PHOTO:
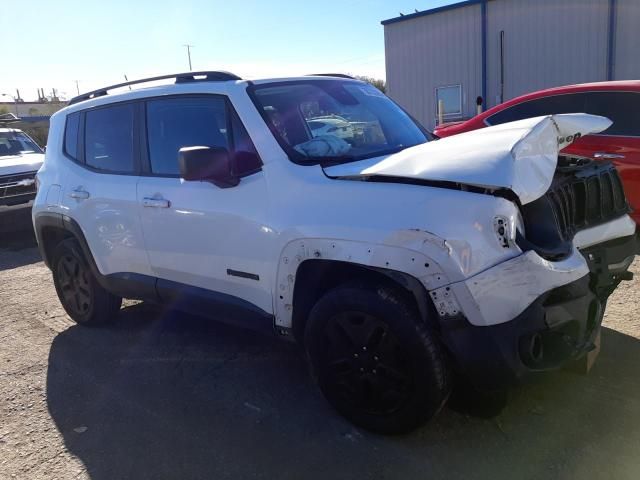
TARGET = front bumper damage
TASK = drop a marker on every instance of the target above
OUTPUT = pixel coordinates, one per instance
(558, 326)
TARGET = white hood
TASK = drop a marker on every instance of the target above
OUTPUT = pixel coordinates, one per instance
(520, 156)
(14, 164)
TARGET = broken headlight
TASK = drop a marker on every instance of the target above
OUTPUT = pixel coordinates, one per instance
(506, 228)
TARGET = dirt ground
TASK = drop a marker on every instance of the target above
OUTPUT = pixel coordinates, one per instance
(160, 394)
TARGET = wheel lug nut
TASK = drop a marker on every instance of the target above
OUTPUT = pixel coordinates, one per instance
(376, 358)
(374, 371)
(355, 355)
(361, 369)
(364, 349)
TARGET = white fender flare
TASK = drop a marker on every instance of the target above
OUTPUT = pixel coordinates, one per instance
(417, 253)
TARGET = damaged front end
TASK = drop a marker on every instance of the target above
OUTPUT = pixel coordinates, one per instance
(578, 243)
(568, 242)
(559, 325)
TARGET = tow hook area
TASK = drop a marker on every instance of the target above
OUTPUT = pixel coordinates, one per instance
(564, 338)
(608, 263)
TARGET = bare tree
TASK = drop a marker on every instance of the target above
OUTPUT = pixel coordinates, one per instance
(376, 82)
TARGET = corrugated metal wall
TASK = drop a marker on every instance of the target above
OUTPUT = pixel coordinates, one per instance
(627, 40)
(547, 43)
(431, 51)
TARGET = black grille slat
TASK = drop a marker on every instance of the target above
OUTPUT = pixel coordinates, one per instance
(593, 199)
(580, 199)
(619, 200)
(606, 198)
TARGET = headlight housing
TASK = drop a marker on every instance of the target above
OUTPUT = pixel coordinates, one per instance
(506, 228)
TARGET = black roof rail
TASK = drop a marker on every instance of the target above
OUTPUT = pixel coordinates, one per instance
(213, 76)
(339, 75)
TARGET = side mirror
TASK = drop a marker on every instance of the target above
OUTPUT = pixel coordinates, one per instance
(212, 164)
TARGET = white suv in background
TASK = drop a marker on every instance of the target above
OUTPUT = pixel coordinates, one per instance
(20, 159)
(399, 262)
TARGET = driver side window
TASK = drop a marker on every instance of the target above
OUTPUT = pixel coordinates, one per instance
(173, 123)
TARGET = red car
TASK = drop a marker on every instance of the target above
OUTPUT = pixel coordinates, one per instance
(618, 101)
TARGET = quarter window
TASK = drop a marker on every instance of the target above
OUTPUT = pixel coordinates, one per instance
(71, 135)
(109, 138)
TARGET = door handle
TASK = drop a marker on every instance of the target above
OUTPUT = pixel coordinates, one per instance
(608, 155)
(155, 202)
(79, 194)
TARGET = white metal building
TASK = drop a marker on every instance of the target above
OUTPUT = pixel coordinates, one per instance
(499, 49)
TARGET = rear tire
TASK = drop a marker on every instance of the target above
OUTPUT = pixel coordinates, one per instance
(80, 294)
(375, 360)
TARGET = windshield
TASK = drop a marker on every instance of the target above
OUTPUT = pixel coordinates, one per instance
(337, 121)
(17, 143)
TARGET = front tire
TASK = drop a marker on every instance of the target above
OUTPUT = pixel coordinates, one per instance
(80, 294)
(375, 360)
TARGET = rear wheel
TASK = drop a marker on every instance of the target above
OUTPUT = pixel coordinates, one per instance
(375, 360)
(82, 297)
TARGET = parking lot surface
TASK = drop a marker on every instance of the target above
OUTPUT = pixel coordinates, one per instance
(160, 394)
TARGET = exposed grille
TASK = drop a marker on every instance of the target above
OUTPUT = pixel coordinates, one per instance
(586, 195)
(16, 185)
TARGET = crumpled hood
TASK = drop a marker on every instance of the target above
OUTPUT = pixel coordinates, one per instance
(29, 162)
(520, 156)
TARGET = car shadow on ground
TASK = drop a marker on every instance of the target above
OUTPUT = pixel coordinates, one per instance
(17, 239)
(160, 394)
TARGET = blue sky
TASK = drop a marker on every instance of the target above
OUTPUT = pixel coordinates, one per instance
(56, 42)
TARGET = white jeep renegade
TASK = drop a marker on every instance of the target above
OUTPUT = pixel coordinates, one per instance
(399, 261)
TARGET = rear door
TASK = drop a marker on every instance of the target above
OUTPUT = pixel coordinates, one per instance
(620, 143)
(205, 243)
(100, 185)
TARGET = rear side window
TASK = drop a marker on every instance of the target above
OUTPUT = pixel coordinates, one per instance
(174, 123)
(571, 103)
(622, 108)
(109, 138)
(71, 135)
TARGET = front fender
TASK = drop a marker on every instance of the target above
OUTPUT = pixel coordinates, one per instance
(419, 254)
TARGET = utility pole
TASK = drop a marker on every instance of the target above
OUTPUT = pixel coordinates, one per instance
(189, 54)
(77, 87)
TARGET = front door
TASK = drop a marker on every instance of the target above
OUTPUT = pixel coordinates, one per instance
(204, 242)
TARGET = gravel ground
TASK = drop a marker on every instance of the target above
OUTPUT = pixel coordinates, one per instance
(160, 394)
